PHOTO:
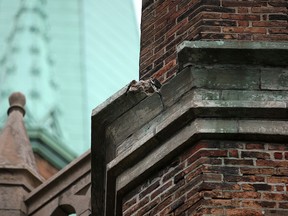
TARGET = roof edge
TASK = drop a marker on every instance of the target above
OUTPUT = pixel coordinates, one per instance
(61, 150)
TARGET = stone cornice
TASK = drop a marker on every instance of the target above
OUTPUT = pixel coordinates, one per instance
(68, 177)
(134, 134)
(232, 52)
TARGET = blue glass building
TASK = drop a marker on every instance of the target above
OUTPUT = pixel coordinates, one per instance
(67, 57)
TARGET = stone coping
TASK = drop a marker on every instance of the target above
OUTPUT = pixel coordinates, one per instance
(257, 110)
(232, 52)
(59, 182)
(232, 45)
(275, 131)
(122, 101)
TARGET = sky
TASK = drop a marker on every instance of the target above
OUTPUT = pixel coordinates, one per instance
(118, 45)
(137, 8)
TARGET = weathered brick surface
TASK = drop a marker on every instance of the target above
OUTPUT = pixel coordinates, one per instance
(167, 23)
(216, 178)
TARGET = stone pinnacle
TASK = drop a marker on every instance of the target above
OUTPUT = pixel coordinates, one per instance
(17, 101)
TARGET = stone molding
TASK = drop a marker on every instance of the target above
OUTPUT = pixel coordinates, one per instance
(134, 134)
(69, 187)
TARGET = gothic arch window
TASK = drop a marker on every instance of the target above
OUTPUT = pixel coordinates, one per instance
(64, 210)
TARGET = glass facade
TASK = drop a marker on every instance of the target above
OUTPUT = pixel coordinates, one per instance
(67, 57)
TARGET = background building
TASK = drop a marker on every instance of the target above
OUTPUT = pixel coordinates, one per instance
(62, 55)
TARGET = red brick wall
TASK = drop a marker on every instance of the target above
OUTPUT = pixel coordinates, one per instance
(166, 23)
(217, 178)
(45, 169)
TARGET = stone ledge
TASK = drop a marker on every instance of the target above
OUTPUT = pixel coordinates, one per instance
(232, 45)
(215, 129)
(65, 178)
(150, 136)
(189, 98)
(190, 106)
(120, 102)
(19, 176)
(203, 129)
(232, 52)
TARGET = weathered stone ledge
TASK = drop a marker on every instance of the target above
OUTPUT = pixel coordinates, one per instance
(222, 91)
(203, 129)
(232, 52)
(49, 193)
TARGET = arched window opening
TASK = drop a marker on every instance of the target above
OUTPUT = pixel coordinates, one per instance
(64, 210)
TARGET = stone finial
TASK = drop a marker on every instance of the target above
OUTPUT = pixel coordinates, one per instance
(19, 173)
(16, 150)
(17, 101)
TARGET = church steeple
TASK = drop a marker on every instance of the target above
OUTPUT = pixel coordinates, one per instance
(16, 151)
(27, 66)
(18, 172)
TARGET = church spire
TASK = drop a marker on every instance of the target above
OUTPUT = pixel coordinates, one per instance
(18, 172)
(16, 151)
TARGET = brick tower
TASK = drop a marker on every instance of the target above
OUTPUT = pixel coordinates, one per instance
(213, 139)
(165, 24)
